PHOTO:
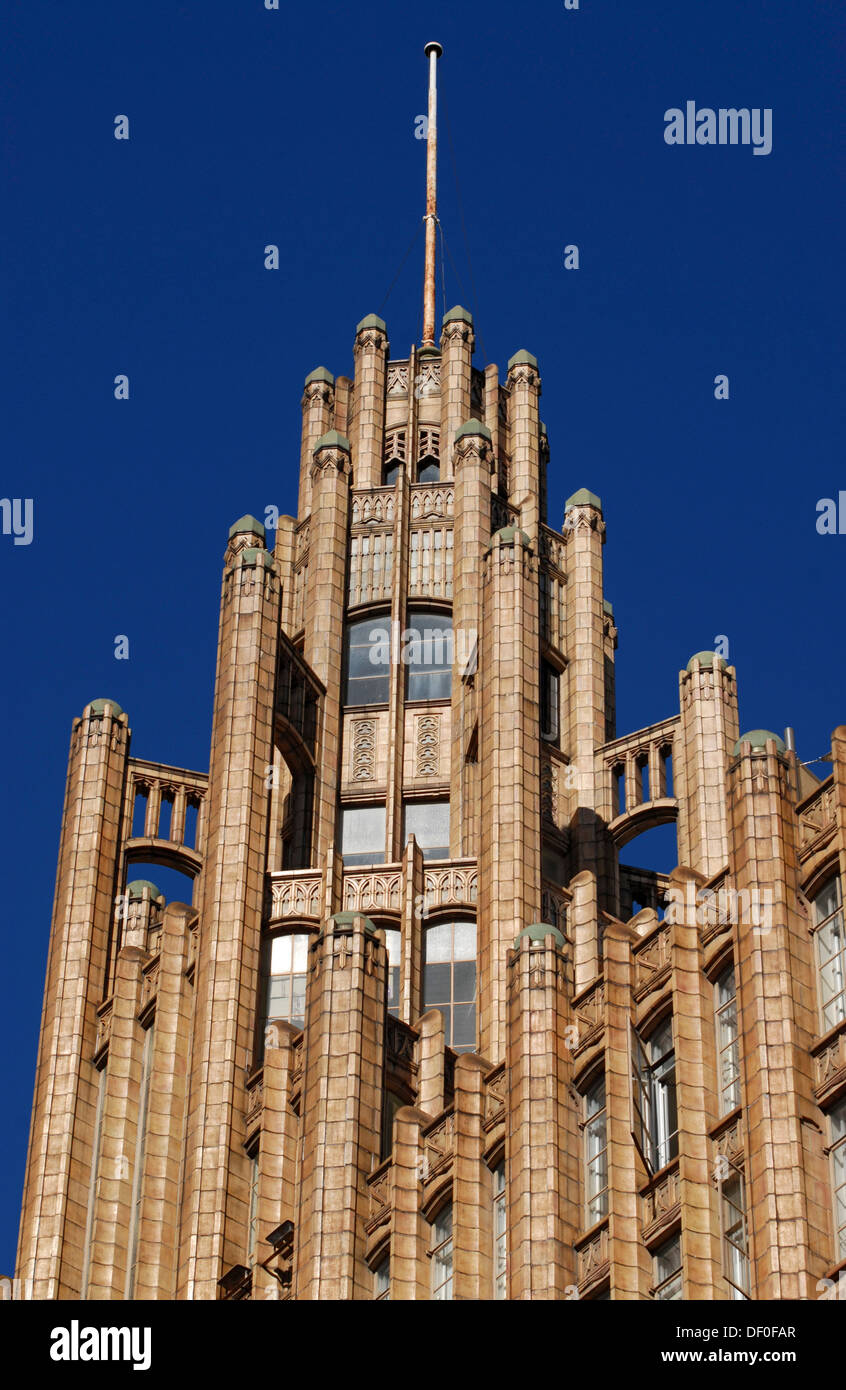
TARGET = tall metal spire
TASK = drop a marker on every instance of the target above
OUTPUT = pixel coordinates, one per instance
(433, 52)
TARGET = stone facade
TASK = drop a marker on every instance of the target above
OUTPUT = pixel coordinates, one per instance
(425, 1032)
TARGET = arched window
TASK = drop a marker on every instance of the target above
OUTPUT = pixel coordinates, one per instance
(449, 980)
(286, 984)
(427, 655)
(429, 456)
(368, 659)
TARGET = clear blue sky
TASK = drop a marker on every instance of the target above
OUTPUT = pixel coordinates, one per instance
(296, 127)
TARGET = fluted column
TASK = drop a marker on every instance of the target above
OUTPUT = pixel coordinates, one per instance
(367, 423)
(51, 1251)
(232, 895)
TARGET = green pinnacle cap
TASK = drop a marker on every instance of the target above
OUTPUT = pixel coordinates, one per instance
(251, 555)
(136, 889)
(542, 428)
(332, 440)
(320, 374)
(246, 526)
(507, 535)
(473, 426)
(345, 919)
(537, 931)
(706, 659)
(759, 738)
(583, 498)
(99, 707)
(520, 357)
(371, 321)
(457, 314)
(608, 608)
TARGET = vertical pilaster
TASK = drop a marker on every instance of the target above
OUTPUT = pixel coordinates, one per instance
(277, 1183)
(457, 344)
(709, 729)
(410, 1277)
(367, 425)
(324, 617)
(342, 1106)
(776, 1018)
(509, 860)
(471, 525)
(541, 1143)
(318, 405)
(122, 1114)
(217, 1169)
(156, 1273)
(631, 1274)
(51, 1251)
(472, 1185)
(524, 384)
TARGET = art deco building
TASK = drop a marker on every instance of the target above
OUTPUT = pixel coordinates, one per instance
(426, 1032)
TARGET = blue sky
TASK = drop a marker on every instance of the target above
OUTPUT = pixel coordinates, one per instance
(296, 127)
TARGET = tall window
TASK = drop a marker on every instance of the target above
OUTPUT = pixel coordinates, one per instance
(368, 657)
(449, 980)
(735, 1236)
(654, 1092)
(596, 1153)
(728, 1059)
(500, 1270)
(382, 1281)
(837, 1120)
(252, 1219)
(550, 686)
(427, 655)
(831, 953)
(362, 835)
(393, 946)
(428, 822)
(286, 986)
(441, 1250)
(667, 1270)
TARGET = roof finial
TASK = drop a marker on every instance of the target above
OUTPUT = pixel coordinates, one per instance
(433, 52)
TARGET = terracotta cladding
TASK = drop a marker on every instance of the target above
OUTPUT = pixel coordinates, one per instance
(182, 1112)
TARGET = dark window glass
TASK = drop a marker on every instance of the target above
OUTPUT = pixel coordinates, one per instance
(449, 980)
(427, 656)
(368, 661)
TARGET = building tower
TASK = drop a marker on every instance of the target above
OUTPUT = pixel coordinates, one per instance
(425, 1032)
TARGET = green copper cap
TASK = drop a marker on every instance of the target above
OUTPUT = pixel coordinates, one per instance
(507, 535)
(135, 889)
(537, 931)
(542, 428)
(99, 707)
(457, 314)
(371, 321)
(320, 374)
(759, 738)
(251, 555)
(520, 357)
(608, 608)
(246, 525)
(332, 440)
(346, 919)
(473, 426)
(583, 498)
(705, 659)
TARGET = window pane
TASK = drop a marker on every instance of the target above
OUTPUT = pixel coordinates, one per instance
(363, 835)
(465, 941)
(439, 943)
(464, 980)
(280, 954)
(827, 900)
(428, 822)
(463, 1025)
(436, 985)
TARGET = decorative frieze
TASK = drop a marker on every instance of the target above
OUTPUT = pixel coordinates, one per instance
(427, 743)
